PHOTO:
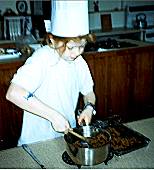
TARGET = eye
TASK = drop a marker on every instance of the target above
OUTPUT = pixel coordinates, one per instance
(69, 46)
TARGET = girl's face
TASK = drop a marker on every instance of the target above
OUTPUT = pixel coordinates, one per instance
(73, 50)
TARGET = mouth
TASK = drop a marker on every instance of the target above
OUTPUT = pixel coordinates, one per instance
(73, 57)
(69, 59)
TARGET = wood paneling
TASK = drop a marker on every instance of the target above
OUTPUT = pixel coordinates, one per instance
(10, 115)
(124, 82)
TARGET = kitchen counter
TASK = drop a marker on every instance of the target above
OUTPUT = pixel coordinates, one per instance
(50, 152)
(111, 44)
(6, 42)
(115, 31)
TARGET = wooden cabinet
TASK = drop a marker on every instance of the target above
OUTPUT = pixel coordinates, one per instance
(141, 82)
(123, 82)
(7, 45)
(10, 115)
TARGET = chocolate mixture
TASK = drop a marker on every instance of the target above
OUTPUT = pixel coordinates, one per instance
(94, 142)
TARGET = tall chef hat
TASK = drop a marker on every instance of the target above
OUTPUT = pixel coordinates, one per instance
(69, 18)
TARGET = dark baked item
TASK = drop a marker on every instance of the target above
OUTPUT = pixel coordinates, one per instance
(120, 140)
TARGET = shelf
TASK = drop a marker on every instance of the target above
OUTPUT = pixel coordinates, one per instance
(107, 11)
(115, 31)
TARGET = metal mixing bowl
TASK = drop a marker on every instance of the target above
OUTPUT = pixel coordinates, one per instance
(87, 154)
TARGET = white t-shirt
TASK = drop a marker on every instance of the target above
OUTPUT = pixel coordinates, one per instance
(55, 82)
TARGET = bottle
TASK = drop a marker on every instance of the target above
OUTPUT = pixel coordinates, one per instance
(96, 6)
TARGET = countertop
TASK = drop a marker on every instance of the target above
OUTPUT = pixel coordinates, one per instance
(115, 31)
(50, 153)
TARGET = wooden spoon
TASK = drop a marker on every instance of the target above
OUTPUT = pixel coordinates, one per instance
(78, 135)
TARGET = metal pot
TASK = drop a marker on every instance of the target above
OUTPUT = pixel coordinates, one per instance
(87, 154)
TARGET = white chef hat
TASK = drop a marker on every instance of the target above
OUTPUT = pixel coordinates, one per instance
(69, 18)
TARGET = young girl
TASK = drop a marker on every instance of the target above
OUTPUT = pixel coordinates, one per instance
(47, 87)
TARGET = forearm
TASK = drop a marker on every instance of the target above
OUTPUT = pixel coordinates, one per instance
(88, 110)
(18, 96)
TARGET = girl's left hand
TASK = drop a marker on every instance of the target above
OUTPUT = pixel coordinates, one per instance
(85, 116)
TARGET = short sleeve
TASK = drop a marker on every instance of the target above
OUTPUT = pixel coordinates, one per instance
(30, 75)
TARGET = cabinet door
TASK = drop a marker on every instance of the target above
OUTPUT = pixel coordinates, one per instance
(118, 83)
(111, 78)
(142, 81)
(143, 77)
(10, 115)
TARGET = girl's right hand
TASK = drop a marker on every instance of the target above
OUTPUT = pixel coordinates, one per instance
(60, 124)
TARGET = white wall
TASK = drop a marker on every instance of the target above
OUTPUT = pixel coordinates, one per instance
(105, 5)
(118, 14)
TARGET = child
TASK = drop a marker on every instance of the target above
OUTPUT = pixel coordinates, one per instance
(47, 86)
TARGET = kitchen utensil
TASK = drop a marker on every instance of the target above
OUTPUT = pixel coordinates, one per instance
(141, 21)
(82, 154)
(79, 136)
(29, 151)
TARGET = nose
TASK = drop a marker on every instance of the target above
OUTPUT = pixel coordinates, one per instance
(79, 50)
